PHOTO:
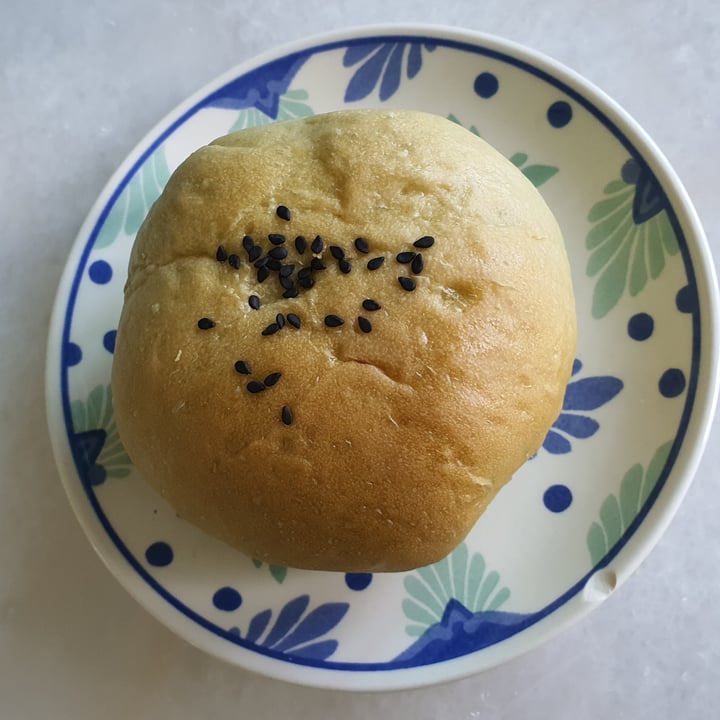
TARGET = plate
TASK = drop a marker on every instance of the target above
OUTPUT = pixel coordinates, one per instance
(577, 518)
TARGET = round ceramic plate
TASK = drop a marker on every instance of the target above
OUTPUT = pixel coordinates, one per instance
(576, 519)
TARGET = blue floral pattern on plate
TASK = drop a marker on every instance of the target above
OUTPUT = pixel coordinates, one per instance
(296, 632)
(382, 63)
(581, 395)
(460, 632)
(260, 89)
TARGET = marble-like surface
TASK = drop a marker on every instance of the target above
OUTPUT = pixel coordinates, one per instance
(81, 81)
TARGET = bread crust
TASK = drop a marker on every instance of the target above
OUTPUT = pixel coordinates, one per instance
(400, 437)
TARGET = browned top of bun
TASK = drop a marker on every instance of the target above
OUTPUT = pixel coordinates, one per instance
(400, 437)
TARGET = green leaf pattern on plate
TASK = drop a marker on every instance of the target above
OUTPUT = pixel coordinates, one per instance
(291, 105)
(279, 572)
(537, 174)
(618, 511)
(96, 413)
(135, 201)
(472, 128)
(460, 576)
(624, 254)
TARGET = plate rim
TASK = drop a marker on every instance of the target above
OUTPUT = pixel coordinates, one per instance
(638, 545)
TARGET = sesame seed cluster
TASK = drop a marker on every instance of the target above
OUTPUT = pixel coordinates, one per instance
(297, 271)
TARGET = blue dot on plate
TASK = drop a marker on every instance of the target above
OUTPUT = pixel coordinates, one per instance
(672, 383)
(559, 114)
(557, 498)
(486, 85)
(640, 326)
(109, 340)
(630, 172)
(100, 272)
(73, 354)
(686, 299)
(227, 599)
(358, 581)
(159, 554)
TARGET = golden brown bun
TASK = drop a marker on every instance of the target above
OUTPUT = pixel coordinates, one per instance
(400, 437)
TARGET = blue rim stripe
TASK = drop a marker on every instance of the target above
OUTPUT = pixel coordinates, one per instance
(614, 551)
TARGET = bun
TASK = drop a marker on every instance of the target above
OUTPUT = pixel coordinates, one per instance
(398, 438)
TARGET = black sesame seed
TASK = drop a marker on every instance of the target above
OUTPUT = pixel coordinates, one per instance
(254, 302)
(271, 379)
(361, 245)
(248, 243)
(291, 293)
(317, 245)
(286, 415)
(263, 274)
(364, 324)
(280, 320)
(271, 329)
(242, 367)
(274, 264)
(294, 320)
(345, 266)
(334, 321)
(278, 253)
(286, 282)
(282, 212)
(276, 238)
(261, 262)
(206, 323)
(405, 257)
(300, 244)
(306, 282)
(417, 264)
(317, 264)
(370, 305)
(305, 272)
(337, 252)
(407, 283)
(254, 253)
(287, 270)
(221, 254)
(234, 261)
(424, 242)
(255, 387)
(375, 263)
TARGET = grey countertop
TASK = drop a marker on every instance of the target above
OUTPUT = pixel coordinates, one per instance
(81, 82)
